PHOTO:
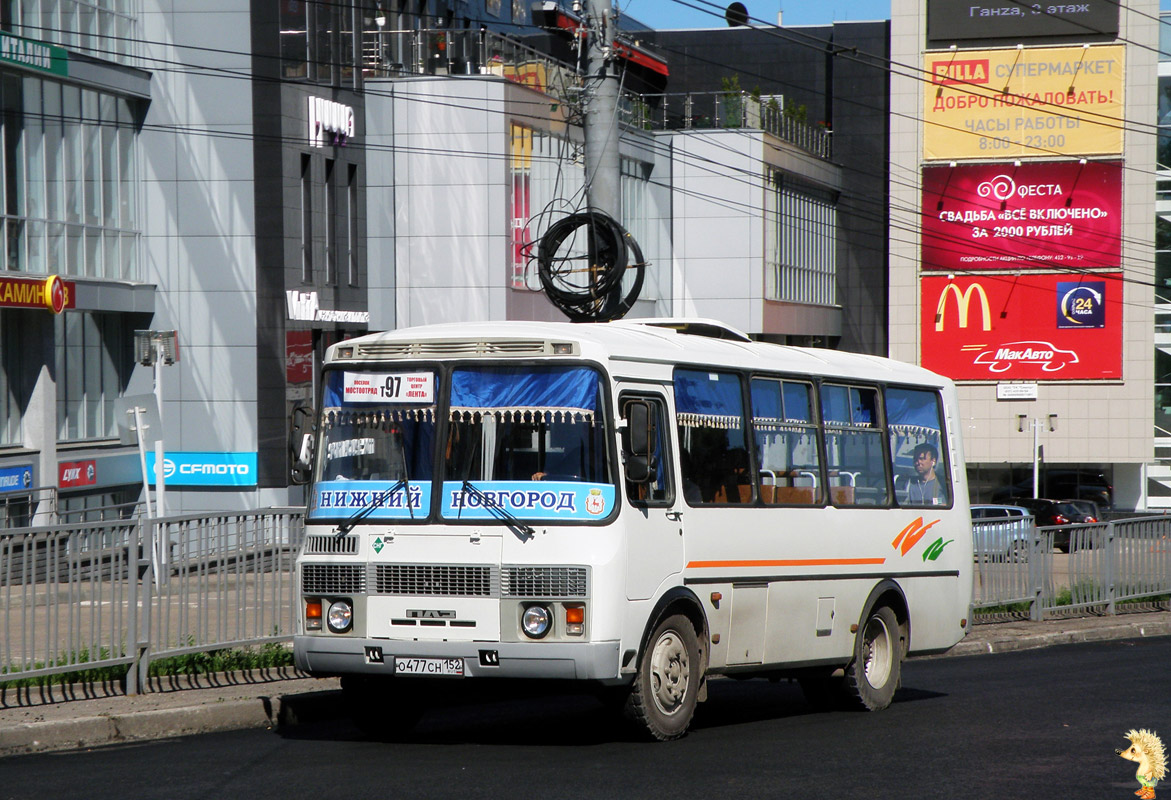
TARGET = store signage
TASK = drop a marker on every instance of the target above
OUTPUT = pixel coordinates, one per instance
(1044, 102)
(1038, 215)
(49, 293)
(298, 356)
(34, 55)
(329, 122)
(15, 479)
(76, 474)
(959, 20)
(205, 469)
(1027, 327)
(305, 306)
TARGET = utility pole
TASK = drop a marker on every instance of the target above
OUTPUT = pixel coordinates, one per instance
(601, 111)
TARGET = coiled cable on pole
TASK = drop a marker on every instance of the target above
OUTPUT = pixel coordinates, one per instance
(587, 287)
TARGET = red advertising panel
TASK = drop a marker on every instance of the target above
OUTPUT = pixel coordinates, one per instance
(298, 356)
(1038, 215)
(1036, 327)
(74, 474)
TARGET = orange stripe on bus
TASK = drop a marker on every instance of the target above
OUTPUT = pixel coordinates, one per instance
(790, 562)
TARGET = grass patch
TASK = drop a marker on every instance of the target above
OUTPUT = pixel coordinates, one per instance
(266, 656)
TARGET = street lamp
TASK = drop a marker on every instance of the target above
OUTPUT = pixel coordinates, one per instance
(1036, 424)
(156, 349)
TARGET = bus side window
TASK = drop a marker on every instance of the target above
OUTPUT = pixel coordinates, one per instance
(917, 455)
(855, 459)
(786, 442)
(657, 491)
(710, 418)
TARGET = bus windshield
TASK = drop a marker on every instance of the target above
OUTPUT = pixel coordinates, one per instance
(376, 439)
(530, 439)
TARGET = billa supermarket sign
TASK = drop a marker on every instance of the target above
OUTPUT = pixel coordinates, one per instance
(1036, 215)
(1031, 327)
(51, 293)
(1039, 101)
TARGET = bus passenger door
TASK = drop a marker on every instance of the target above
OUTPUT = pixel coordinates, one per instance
(652, 515)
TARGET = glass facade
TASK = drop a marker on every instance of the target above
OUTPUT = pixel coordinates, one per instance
(70, 179)
(94, 362)
(107, 29)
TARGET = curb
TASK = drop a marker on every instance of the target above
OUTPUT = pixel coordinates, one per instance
(1010, 644)
(228, 715)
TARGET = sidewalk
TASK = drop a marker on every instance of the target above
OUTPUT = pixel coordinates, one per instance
(72, 718)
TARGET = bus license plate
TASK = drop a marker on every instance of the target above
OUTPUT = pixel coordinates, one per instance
(429, 666)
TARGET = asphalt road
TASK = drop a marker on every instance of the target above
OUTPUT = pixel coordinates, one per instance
(1040, 723)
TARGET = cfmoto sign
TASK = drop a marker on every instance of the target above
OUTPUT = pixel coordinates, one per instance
(206, 469)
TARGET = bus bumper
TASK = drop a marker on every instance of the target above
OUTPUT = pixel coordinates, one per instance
(326, 655)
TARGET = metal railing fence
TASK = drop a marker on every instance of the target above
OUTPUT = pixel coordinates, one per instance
(1047, 572)
(107, 594)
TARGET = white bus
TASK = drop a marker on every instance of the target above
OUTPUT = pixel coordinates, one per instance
(635, 506)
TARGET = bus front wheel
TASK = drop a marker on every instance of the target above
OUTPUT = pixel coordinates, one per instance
(874, 674)
(664, 693)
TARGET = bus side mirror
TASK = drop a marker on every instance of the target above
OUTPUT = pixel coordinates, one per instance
(301, 443)
(638, 442)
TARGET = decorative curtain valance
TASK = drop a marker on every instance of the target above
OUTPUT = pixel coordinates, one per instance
(708, 400)
(552, 394)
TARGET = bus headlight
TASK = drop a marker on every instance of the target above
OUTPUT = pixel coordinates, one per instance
(340, 617)
(536, 621)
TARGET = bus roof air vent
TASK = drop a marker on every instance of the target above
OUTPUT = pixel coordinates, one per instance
(709, 328)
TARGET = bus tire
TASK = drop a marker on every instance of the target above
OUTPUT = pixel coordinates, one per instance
(874, 674)
(380, 708)
(666, 687)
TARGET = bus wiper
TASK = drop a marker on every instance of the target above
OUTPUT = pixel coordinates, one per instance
(379, 499)
(489, 502)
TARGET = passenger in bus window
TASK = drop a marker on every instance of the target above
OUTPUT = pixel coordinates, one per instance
(925, 490)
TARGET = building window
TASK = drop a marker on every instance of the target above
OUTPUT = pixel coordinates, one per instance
(95, 356)
(14, 388)
(352, 223)
(69, 180)
(331, 222)
(800, 242)
(306, 218)
(101, 28)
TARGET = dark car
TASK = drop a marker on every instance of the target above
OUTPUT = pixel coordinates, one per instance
(1081, 484)
(1088, 509)
(1057, 514)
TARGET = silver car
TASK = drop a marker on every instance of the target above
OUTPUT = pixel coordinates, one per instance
(1001, 532)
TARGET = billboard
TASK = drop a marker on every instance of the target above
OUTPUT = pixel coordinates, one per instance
(959, 20)
(199, 468)
(1040, 215)
(1049, 101)
(1037, 327)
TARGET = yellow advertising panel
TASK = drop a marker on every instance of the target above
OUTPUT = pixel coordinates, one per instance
(1001, 104)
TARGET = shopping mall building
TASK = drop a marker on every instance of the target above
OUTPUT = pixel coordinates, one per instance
(197, 204)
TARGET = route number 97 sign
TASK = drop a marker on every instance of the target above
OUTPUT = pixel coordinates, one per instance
(388, 387)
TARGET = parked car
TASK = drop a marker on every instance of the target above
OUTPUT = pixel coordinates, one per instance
(1057, 514)
(1007, 542)
(1081, 484)
(1087, 508)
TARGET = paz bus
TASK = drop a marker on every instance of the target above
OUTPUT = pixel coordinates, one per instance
(635, 507)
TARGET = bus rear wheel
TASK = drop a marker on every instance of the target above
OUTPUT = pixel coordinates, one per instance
(875, 672)
(666, 688)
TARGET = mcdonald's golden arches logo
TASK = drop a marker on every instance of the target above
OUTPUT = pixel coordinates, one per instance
(963, 303)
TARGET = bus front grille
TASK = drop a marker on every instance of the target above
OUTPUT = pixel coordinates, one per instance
(543, 582)
(331, 579)
(331, 545)
(447, 580)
